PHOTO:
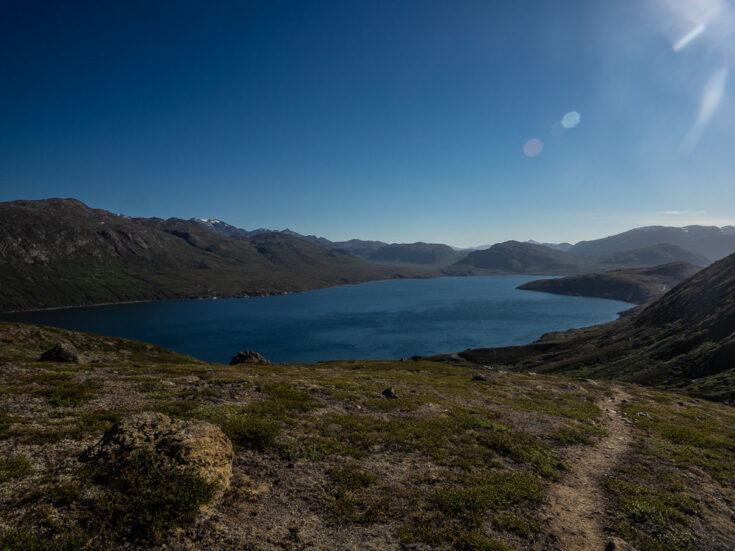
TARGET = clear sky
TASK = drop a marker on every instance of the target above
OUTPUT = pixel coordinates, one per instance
(390, 120)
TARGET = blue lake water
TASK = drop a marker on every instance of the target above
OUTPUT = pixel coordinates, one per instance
(384, 319)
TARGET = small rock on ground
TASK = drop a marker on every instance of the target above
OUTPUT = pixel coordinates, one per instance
(61, 352)
(249, 357)
(389, 393)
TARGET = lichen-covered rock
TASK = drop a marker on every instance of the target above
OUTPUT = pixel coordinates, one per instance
(248, 357)
(198, 447)
(61, 352)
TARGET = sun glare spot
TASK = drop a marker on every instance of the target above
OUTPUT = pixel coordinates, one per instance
(533, 147)
(571, 119)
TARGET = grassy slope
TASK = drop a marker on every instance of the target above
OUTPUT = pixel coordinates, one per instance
(324, 460)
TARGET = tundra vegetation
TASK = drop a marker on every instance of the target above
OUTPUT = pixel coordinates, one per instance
(322, 458)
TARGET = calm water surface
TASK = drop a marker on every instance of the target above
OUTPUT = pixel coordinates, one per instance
(385, 319)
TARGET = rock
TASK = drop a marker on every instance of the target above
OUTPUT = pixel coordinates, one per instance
(248, 357)
(65, 353)
(590, 381)
(389, 393)
(479, 377)
(199, 447)
(643, 414)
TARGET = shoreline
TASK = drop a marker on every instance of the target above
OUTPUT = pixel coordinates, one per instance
(262, 295)
(90, 320)
(276, 293)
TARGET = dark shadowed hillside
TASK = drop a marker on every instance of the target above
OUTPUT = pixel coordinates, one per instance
(684, 340)
(636, 285)
(59, 252)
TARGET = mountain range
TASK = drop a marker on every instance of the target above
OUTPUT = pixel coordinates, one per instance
(713, 242)
(528, 258)
(703, 244)
(60, 252)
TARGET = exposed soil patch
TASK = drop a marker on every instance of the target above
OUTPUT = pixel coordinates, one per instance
(575, 508)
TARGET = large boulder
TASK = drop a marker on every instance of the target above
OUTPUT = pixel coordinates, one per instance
(248, 357)
(61, 352)
(197, 447)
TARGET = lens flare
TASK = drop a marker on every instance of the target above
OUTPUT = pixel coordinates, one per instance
(571, 119)
(533, 147)
(712, 96)
(687, 38)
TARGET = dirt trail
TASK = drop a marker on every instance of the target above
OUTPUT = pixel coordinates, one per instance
(575, 506)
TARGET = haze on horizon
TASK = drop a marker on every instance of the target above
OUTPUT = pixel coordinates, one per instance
(457, 122)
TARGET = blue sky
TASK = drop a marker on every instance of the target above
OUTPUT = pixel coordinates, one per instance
(399, 121)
